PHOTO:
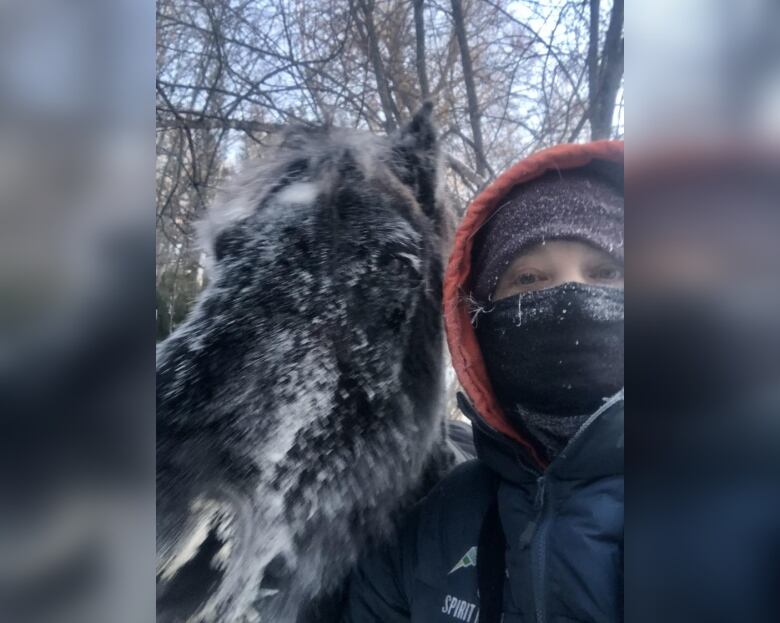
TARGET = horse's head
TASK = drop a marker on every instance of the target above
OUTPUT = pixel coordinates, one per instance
(316, 344)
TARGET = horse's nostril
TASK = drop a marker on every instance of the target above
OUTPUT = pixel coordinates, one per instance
(397, 315)
(276, 573)
(190, 587)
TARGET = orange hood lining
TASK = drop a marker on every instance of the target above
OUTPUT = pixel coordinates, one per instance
(461, 338)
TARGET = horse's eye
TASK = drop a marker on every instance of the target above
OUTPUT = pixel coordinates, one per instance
(402, 264)
(397, 266)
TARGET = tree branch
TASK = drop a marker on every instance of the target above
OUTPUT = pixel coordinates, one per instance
(392, 116)
(184, 121)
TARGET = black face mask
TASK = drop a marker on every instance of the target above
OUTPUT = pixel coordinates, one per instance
(557, 351)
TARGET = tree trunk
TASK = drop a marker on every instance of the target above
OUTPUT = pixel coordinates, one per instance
(375, 56)
(471, 91)
(604, 76)
(419, 30)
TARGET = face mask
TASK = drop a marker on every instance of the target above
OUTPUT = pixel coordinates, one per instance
(557, 351)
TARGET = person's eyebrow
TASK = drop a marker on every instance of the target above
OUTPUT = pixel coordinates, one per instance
(532, 253)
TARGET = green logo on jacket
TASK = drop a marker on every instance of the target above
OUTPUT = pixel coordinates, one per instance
(469, 560)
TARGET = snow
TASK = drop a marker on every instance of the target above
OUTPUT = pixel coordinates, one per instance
(299, 193)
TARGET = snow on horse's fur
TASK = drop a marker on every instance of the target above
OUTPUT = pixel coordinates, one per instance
(298, 404)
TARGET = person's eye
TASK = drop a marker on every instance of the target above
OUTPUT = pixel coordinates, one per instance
(608, 272)
(529, 279)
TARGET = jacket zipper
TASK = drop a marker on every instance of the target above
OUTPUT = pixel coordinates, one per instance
(543, 482)
(540, 548)
(618, 397)
(544, 504)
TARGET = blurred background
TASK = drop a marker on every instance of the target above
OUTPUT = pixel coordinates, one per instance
(91, 193)
(77, 311)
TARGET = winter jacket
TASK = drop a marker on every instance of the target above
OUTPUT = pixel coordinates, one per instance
(562, 523)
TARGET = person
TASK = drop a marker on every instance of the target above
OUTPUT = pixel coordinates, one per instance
(531, 530)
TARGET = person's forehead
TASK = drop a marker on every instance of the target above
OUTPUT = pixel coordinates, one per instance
(561, 246)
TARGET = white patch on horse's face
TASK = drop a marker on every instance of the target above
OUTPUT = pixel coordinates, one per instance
(298, 193)
(186, 551)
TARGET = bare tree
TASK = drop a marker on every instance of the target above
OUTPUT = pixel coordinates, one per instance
(505, 79)
(605, 69)
(471, 89)
(419, 31)
(392, 116)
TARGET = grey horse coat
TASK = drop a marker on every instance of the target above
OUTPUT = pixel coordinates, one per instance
(298, 405)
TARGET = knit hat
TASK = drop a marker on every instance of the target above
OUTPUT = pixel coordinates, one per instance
(583, 204)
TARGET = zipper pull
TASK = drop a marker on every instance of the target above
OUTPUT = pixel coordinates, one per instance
(530, 530)
(539, 499)
(528, 534)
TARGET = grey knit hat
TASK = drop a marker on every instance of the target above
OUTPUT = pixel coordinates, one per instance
(583, 204)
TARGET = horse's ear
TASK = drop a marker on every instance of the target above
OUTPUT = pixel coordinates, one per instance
(419, 133)
(416, 158)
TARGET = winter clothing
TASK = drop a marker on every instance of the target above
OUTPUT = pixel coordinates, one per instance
(561, 523)
(552, 432)
(563, 529)
(461, 337)
(553, 356)
(585, 204)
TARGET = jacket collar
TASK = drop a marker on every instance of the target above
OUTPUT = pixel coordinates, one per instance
(596, 450)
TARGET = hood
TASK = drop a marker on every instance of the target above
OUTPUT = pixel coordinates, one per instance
(461, 338)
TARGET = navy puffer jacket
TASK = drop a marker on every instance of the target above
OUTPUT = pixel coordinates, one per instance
(563, 530)
(559, 526)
